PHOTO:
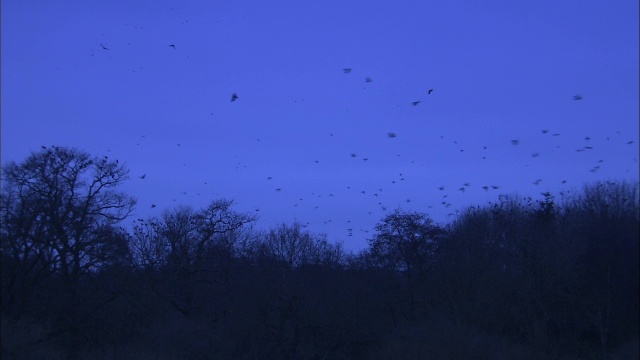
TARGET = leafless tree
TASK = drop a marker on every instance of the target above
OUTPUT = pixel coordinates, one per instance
(59, 208)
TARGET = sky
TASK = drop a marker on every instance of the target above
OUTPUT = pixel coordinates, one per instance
(437, 94)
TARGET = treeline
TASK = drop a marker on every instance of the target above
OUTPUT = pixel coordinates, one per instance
(519, 279)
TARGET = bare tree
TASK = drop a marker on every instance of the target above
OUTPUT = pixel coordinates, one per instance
(405, 242)
(296, 247)
(58, 211)
(186, 247)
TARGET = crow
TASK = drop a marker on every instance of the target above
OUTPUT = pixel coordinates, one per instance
(104, 47)
(429, 92)
(234, 97)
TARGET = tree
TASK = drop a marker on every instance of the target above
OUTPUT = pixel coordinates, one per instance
(186, 247)
(607, 272)
(58, 210)
(407, 243)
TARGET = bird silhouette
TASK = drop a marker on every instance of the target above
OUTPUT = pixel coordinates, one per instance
(577, 97)
(173, 46)
(234, 97)
(368, 79)
(346, 70)
(153, 205)
(143, 176)
(415, 103)
(429, 92)
(515, 142)
(391, 135)
(104, 47)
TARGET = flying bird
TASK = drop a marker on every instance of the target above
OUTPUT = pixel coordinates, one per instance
(368, 79)
(515, 142)
(143, 176)
(429, 92)
(577, 97)
(153, 205)
(391, 135)
(346, 70)
(104, 47)
(173, 46)
(234, 97)
(415, 103)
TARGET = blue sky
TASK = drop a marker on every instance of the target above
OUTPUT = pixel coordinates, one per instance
(499, 70)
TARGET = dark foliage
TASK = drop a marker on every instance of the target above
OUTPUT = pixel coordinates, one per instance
(520, 279)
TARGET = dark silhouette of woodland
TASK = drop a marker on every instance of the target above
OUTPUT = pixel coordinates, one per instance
(522, 278)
